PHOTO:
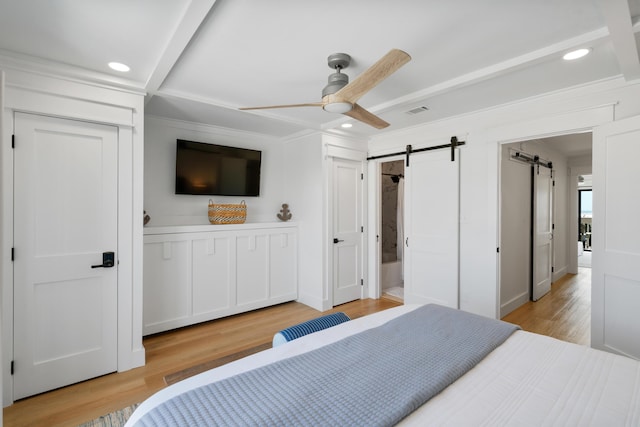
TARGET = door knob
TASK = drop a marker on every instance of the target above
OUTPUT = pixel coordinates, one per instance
(336, 240)
(108, 260)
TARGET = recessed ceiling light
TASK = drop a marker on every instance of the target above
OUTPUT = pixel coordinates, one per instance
(575, 54)
(119, 67)
(346, 125)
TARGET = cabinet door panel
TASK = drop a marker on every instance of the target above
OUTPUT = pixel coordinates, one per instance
(168, 270)
(251, 269)
(212, 276)
(282, 265)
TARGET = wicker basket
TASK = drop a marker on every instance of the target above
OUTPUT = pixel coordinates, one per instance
(227, 213)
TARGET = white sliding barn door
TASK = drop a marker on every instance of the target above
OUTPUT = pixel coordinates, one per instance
(66, 188)
(542, 231)
(615, 281)
(432, 228)
(347, 230)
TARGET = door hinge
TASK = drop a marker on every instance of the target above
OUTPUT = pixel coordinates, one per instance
(553, 226)
(12, 367)
(13, 254)
(553, 183)
(361, 282)
(552, 269)
(361, 177)
(362, 228)
(13, 141)
(498, 250)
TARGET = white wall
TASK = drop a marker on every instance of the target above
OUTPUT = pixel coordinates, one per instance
(308, 165)
(166, 208)
(515, 231)
(558, 113)
(305, 194)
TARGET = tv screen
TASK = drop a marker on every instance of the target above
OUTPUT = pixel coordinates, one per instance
(216, 170)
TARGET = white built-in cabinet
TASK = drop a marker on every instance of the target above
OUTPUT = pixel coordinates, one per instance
(198, 273)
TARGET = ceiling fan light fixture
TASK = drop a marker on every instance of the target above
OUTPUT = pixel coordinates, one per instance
(338, 107)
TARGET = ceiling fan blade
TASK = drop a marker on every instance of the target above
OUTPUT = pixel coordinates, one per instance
(312, 104)
(379, 71)
(359, 113)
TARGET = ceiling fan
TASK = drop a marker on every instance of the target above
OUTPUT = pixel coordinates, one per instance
(340, 96)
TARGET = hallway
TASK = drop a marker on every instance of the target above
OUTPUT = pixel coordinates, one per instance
(564, 313)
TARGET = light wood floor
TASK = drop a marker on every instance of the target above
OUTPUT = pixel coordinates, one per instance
(563, 314)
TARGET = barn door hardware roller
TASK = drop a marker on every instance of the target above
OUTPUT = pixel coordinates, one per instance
(453, 144)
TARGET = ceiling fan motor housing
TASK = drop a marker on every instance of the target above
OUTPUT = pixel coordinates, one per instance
(336, 82)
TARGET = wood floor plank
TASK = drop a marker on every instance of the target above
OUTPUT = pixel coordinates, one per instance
(564, 313)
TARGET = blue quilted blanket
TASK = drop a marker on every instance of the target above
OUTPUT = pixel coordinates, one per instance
(374, 378)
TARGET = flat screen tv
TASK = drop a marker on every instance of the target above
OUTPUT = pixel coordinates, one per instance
(216, 170)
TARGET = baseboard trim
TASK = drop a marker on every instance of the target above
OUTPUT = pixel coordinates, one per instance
(514, 303)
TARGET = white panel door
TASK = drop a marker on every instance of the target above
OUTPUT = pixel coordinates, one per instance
(542, 231)
(432, 228)
(65, 218)
(347, 231)
(615, 280)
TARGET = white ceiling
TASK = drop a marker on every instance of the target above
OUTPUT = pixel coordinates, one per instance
(570, 146)
(200, 60)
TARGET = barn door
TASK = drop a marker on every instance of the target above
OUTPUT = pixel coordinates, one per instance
(65, 264)
(542, 222)
(432, 228)
(615, 280)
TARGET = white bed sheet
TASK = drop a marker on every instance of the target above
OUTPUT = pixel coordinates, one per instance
(530, 380)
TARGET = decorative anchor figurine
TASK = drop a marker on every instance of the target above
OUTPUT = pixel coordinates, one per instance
(284, 214)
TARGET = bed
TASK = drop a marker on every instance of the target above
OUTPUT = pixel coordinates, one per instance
(527, 380)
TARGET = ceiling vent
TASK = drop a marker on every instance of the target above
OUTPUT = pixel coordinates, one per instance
(418, 110)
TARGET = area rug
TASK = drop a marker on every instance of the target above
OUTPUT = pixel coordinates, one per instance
(189, 372)
(114, 419)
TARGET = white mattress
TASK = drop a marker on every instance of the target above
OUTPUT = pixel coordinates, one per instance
(531, 380)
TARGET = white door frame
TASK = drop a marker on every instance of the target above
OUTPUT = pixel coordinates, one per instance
(351, 155)
(346, 296)
(375, 217)
(90, 351)
(73, 100)
(584, 120)
(2, 245)
(572, 223)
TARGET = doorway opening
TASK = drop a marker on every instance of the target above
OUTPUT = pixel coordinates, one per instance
(571, 157)
(585, 202)
(392, 229)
